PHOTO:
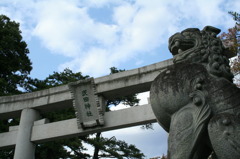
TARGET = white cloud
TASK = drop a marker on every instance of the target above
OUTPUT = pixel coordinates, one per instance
(59, 26)
(124, 14)
(143, 98)
(119, 107)
(137, 27)
(100, 3)
(95, 60)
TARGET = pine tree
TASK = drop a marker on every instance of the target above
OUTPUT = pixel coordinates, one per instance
(15, 65)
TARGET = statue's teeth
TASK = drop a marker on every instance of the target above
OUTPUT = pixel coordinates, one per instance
(177, 43)
(180, 51)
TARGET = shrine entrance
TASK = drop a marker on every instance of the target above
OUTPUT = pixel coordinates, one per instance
(87, 97)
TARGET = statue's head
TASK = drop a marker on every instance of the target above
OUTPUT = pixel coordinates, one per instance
(192, 39)
(201, 46)
(185, 41)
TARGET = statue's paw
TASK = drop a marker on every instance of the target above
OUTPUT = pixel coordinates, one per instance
(224, 133)
(187, 132)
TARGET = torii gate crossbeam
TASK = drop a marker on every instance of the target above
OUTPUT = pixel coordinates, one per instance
(42, 131)
(53, 99)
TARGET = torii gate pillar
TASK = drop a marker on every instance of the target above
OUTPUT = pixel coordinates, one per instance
(25, 149)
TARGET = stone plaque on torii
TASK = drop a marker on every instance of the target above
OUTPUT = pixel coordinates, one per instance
(89, 111)
(193, 99)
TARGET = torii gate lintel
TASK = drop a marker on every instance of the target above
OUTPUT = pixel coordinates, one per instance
(107, 87)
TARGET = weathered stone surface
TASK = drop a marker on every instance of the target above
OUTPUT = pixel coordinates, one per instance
(111, 86)
(25, 149)
(197, 88)
(68, 128)
(86, 104)
(224, 132)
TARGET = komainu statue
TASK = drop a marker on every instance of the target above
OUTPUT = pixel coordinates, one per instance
(195, 99)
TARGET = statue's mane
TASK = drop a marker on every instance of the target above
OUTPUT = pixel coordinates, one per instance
(195, 46)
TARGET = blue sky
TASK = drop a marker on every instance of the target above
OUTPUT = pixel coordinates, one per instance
(91, 36)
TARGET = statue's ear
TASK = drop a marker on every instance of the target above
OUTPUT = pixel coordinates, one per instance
(211, 29)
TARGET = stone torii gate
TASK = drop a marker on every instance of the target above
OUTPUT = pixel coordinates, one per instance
(87, 97)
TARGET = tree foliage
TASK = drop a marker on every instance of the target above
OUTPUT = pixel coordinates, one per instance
(15, 65)
(56, 79)
(113, 148)
(231, 40)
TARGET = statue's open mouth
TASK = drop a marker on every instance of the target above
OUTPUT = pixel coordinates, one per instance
(179, 46)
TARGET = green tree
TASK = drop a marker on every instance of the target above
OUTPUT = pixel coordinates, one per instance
(15, 65)
(113, 148)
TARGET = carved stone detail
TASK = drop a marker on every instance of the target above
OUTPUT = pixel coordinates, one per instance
(224, 132)
(195, 100)
(86, 104)
(193, 45)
